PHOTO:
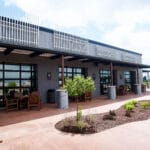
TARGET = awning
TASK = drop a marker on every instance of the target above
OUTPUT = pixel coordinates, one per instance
(6, 49)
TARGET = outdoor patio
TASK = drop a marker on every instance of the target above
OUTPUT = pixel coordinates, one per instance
(13, 117)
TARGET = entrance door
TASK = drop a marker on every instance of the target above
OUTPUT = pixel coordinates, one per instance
(105, 80)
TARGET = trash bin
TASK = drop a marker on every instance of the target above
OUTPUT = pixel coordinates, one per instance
(112, 92)
(51, 96)
(62, 98)
(137, 89)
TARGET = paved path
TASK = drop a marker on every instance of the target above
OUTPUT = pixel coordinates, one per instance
(40, 134)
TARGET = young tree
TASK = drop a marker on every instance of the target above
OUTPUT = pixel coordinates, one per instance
(79, 86)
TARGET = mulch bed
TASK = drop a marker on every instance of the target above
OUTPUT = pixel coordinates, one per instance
(99, 122)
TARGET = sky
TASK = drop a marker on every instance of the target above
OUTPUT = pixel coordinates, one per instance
(122, 23)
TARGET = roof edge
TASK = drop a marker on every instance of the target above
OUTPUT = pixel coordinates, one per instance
(92, 41)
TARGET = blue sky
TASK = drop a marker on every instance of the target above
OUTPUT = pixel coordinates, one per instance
(125, 24)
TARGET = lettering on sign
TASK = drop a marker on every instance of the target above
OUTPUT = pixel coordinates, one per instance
(128, 58)
(104, 52)
(69, 43)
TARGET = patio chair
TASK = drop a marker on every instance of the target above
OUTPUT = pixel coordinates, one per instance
(11, 103)
(87, 96)
(34, 100)
(123, 90)
(22, 100)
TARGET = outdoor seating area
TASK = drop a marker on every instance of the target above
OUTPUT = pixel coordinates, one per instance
(18, 101)
(123, 90)
(52, 109)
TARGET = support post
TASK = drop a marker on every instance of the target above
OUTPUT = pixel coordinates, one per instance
(111, 73)
(137, 88)
(111, 88)
(147, 75)
(62, 69)
(137, 76)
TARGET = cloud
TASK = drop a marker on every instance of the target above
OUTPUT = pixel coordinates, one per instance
(120, 23)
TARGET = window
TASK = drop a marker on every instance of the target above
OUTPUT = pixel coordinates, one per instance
(127, 77)
(105, 76)
(70, 72)
(105, 80)
(18, 77)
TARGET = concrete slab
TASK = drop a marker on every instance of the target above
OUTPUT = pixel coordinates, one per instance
(41, 134)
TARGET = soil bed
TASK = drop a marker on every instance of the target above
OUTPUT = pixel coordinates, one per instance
(96, 123)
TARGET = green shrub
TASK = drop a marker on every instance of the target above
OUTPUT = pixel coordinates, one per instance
(134, 102)
(79, 85)
(129, 107)
(91, 119)
(79, 115)
(145, 105)
(81, 124)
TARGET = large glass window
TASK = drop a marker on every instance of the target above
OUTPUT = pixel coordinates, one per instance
(105, 80)
(18, 77)
(1, 66)
(127, 77)
(1, 74)
(70, 72)
(11, 75)
(11, 67)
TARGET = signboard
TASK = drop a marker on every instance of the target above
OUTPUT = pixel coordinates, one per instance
(76, 45)
(69, 43)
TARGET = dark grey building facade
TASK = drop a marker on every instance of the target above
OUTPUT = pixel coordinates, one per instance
(31, 56)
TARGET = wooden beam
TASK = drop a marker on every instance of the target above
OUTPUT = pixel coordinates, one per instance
(72, 59)
(35, 54)
(88, 60)
(55, 57)
(8, 51)
(111, 73)
(62, 70)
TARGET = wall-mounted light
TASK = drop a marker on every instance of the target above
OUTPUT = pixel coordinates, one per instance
(48, 75)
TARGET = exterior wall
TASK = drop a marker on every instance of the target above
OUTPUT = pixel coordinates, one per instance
(46, 65)
(90, 48)
(113, 53)
(25, 34)
(120, 74)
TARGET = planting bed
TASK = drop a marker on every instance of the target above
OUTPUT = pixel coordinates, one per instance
(100, 122)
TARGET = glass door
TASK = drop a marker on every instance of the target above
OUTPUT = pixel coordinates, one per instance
(105, 80)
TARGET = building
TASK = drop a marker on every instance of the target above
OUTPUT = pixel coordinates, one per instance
(37, 57)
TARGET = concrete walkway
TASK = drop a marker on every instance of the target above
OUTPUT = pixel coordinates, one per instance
(41, 134)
